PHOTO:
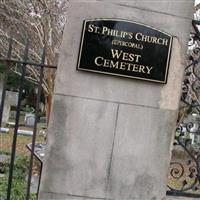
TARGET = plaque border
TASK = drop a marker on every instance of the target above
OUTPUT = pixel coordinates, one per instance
(121, 75)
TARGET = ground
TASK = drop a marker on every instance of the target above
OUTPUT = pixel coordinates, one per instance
(21, 164)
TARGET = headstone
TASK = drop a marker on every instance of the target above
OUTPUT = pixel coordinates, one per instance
(25, 132)
(4, 130)
(116, 100)
(11, 99)
(10, 124)
(29, 119)
(6, 111)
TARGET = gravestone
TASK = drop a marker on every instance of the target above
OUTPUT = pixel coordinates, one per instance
(116, 100)
(11, 99)
(6, 109)
(29, 119)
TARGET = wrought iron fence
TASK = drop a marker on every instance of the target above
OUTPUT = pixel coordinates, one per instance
(184, 172)
(8, 62)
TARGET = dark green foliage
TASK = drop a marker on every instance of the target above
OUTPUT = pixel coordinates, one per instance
(2, 68)
(14, 79)
(19, 179)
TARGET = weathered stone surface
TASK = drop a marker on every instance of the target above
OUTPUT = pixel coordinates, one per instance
(46, 196)
(80, 144)
(137, 167)
(177, 8)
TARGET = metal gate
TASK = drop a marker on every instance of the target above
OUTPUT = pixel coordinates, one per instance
(23, 64)
(184, 172)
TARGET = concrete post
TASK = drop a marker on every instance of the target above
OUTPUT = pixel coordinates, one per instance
(110, 137)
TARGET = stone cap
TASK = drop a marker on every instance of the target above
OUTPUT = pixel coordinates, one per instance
(174, 7)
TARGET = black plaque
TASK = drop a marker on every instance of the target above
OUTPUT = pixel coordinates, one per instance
(125, 48)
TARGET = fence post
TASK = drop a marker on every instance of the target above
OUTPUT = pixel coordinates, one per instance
(10, 178)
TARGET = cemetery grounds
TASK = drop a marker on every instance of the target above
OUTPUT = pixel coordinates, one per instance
(22, 160)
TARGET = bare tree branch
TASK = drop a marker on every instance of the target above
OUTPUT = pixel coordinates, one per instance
(42, 22)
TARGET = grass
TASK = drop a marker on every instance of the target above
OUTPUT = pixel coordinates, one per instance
(19, 179)
(6, 143)
(21, 164)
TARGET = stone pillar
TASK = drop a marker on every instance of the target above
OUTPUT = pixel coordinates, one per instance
(110, 137)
